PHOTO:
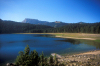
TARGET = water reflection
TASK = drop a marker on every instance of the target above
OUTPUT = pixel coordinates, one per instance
(74, 41)
(71, 41)
(91, 43)
(26, 40)
(77, 41)
(44, 35)
(0, 45)
(12, 42)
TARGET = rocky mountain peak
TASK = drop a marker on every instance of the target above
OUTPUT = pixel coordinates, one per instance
(57, 22)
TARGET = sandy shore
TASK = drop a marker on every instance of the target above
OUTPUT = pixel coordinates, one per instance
(76, 38)
(96, 52)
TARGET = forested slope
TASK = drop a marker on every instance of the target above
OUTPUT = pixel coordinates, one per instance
(78, 28)
(17, 27)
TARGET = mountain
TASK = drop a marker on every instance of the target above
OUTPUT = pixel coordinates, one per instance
(38, 22)
(19, 27)
(34, 21)
(81, 22)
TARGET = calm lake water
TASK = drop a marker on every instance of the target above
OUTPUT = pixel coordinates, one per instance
(11, 44)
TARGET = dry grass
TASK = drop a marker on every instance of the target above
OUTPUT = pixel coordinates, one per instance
(86, 36)
(79, 35)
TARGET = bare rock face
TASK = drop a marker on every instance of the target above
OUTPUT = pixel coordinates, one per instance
(57, 22)
(33, 21)
(47, 23)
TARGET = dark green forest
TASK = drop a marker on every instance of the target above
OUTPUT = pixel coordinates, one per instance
(18, 27)
(77, 28)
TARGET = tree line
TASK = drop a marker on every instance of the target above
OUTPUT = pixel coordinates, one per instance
(15, 27)
(77, 28)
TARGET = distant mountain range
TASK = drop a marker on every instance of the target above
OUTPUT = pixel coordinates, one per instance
(19, 27)
(38, 22)
(51, 24)
(36, 26)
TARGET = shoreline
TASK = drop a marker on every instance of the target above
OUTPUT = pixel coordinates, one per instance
(91, 52)
(84, 36)
(75, 38)
(91, 58)
(94, 52)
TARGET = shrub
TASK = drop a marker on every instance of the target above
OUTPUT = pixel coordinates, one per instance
(28, 58)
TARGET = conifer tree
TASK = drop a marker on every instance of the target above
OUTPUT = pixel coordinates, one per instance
(51, 60)
(55, 60)
(42, 59)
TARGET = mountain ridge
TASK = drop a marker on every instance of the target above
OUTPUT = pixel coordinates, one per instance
(19, 27)
(52, 24)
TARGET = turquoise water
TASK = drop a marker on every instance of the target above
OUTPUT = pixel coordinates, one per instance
(11, 44)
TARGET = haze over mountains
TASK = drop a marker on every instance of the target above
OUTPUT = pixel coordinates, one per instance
(52, 24)
(38, 22)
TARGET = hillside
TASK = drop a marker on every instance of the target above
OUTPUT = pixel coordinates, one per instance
(24, 27)
(18, 27)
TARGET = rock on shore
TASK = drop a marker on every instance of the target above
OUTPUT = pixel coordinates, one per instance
(84, 59)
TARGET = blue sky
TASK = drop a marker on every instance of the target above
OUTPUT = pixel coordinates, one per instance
(69, 11)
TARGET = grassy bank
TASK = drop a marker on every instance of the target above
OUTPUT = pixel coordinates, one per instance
(86, 36)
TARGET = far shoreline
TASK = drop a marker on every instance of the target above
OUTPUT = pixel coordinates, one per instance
(75, 38)
(70, 35)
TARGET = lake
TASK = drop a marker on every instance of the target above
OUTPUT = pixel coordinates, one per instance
(11, 44)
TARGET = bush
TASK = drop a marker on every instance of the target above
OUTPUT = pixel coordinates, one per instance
(28, 58)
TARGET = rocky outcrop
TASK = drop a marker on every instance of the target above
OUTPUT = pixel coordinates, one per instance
(79, 60)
